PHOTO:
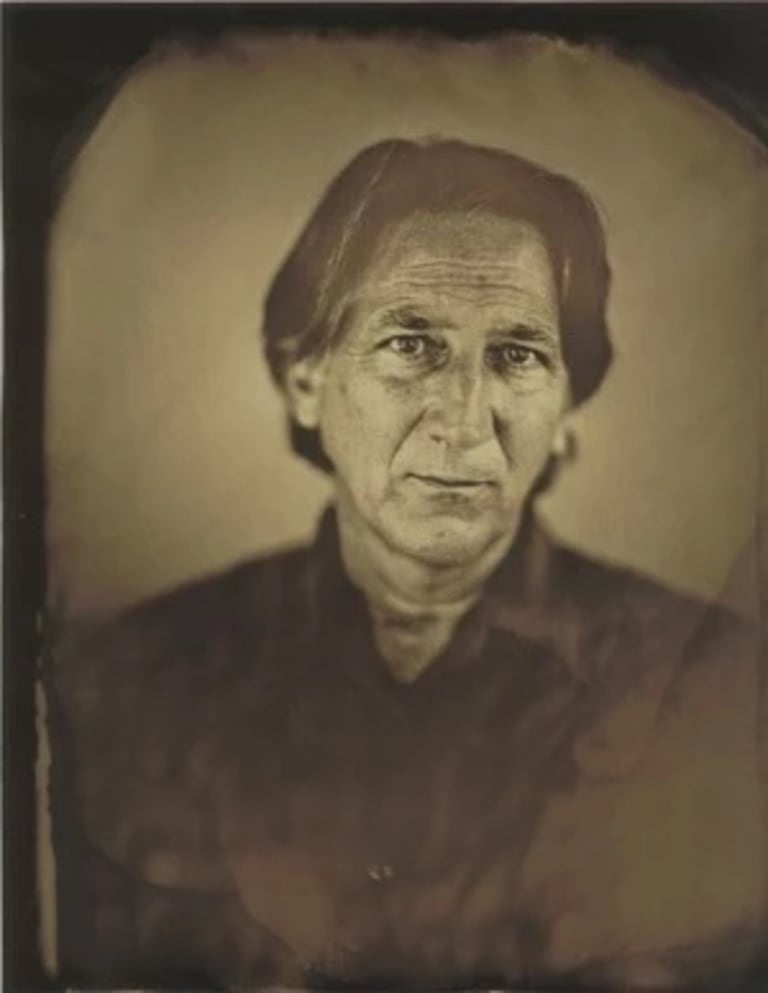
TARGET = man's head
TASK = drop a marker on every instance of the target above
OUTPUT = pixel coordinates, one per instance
(437, 317)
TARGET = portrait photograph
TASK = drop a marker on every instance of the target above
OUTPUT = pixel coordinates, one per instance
(385, 498)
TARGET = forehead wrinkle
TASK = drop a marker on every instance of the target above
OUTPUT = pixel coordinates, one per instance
(489, 262)
(479, 270)
(444, 253)
(432, 295)
(404, 292)
(442, 275)
(463, 233)
(449, 285)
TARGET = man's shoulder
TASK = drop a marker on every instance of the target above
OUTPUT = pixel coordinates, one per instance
(246, 581)
(249, 591)
(150, 699)
(597, 579)
(208, 626)
(642, 615)
(593, 581)
(654, 658)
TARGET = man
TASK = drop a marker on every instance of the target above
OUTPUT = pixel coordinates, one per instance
(434, 749)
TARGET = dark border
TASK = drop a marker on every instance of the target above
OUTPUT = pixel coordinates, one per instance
(62, 62)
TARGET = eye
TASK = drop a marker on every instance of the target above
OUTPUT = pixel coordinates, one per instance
(409, 346)
(514, 356)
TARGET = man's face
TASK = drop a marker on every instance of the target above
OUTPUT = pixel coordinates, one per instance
(440, 402)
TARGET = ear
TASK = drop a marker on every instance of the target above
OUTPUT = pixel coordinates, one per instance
(564, 443)
(560, 440)
(304, 381)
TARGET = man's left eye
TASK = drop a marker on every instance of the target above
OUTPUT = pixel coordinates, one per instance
(516, 356)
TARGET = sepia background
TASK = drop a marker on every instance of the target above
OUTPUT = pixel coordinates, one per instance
(166, 444)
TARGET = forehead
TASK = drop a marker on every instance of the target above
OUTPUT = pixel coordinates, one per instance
(477, 248)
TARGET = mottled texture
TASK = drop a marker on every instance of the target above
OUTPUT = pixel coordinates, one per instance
(571, 790)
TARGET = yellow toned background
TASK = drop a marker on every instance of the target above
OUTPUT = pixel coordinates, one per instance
(166, 444)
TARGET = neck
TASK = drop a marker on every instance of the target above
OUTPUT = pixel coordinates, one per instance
(415, 605)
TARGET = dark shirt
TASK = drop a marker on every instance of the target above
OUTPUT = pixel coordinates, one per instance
(570, 791)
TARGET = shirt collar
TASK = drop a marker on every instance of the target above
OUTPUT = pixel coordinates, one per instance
(518, 601)
(619, 639)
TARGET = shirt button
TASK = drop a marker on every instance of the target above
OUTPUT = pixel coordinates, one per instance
(380, 872)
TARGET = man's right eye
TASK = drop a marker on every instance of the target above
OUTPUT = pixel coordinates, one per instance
(410, 346)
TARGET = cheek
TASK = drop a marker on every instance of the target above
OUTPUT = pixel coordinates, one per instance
(362, 419)
(528, 426)
(339, 420)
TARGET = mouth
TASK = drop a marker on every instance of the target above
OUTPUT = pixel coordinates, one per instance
(451, 482)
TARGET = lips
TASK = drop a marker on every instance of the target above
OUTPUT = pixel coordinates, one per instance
(451, 482)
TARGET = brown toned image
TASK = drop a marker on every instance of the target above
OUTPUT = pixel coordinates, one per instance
(403, 449)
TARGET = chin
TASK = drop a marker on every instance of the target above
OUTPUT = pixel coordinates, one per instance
(444, 542)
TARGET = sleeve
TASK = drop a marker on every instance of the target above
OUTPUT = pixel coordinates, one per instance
(118, 931)
(133, 728)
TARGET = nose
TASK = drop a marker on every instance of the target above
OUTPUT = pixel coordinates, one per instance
(461, 412)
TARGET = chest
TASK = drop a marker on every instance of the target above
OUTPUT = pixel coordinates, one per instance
(489, 825)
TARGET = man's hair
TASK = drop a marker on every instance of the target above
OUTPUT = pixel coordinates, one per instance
(390, 181)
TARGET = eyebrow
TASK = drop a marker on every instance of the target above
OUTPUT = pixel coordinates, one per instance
(528, 332)
(409, 317)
